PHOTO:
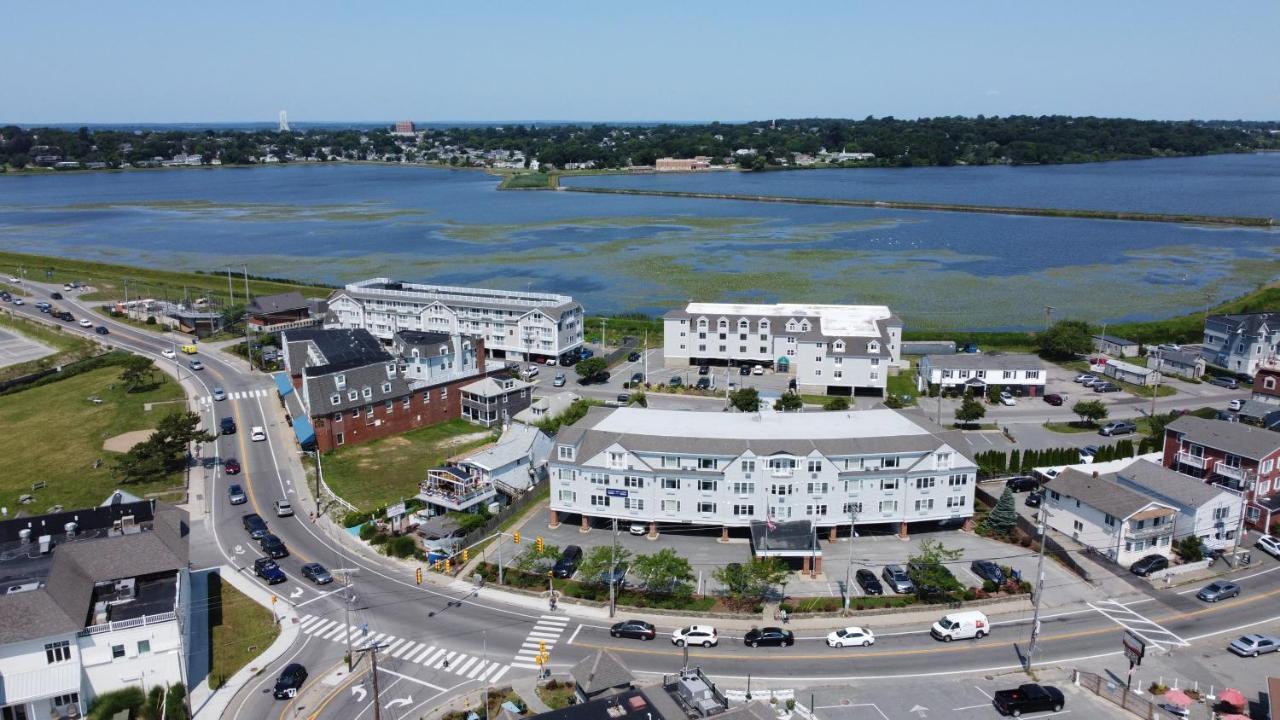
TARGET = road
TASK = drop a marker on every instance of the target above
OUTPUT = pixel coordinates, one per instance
(440, 640)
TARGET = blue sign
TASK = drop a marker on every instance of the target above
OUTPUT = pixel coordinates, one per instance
(614, 492)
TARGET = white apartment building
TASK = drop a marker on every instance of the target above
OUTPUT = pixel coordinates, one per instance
(513, 324)
(869, 467)
(829, 349)
(1241, 343)
(91, 601)
(1122, 524)
(1019, 373)
(1210, 512)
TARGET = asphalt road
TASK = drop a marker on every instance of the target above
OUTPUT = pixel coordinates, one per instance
(440, 641)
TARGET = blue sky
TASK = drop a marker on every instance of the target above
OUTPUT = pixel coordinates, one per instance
(148, 61)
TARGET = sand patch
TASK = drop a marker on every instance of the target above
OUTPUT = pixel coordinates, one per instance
(124, 442)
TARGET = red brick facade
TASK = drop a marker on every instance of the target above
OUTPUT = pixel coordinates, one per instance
(426, 407)
(1206, 465)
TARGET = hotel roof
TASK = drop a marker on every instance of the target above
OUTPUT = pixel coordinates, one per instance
(834, 320)
(762, 426)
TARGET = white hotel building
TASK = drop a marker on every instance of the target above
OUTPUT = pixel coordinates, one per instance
(518, 325)
(868, 467)
(829, 349)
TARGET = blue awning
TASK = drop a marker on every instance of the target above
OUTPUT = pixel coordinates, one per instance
(306, 434)
(283, 385)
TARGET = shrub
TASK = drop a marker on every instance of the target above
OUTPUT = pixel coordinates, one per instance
(151, 319)
(988, 586)
(971, 593)
(354, 518)
(368, 531)
(108, 704)
(401, 546)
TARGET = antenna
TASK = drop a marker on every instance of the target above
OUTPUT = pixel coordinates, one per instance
(284, 121)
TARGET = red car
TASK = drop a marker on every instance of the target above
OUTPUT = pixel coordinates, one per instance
(231, 466)
(1053, 399)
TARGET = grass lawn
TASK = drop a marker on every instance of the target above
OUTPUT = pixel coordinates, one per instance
(61, 413)
(556, 697)
(904, 383)
(1070, 427)
(527, 181)
(387, 470)
(240, 630)
(69, 347)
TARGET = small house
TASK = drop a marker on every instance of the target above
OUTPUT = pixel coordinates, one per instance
(1115, 346)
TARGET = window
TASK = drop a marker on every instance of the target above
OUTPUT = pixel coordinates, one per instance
(782, 465)
(599, 501)
(706, 507)
(889, 484)
(744, 488)
(1008, 375)
(820, 510)
(334, 399)
(957, 501)
(748, 466)
(890, 462)
(57, 652)
(707, 463)
(780, 490)
(340, 381)
(817, 488)
(339, 439)
(391, 406)
(1033, 374)
(838, 373)
(1109, 520)
(367, 393)
(353, 395)
(598, 478)
(631, 481)
(1220, 513)
(117, 652)
(568, 496)
(617, 460)
(670, 483)
(1077, 525)
(144, 647)
(888, 506)
(670, 506)
(566, 452)
(444, 393)
(958, 480)
(815, 466)
(706, 485)
(924, 504)
(851, 508)
(1055, 495)
(61, 701)
(386, 388)
(925, 483)
(355, 413)
(407, 400)
(744, 510)
(337, 417)
(633, 503)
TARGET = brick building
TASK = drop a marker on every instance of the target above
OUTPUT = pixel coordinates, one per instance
(354, 390)
(1238, 456)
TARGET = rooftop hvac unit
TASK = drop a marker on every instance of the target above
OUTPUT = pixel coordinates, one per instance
(70, 528)
(24, 536)
(46, 544)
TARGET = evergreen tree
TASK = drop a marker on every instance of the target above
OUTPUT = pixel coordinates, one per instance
(1004, 516)
(1015, 459)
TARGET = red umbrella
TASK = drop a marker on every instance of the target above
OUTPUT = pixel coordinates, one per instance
(1232, 696)
(1177, 697)
(1235, 716)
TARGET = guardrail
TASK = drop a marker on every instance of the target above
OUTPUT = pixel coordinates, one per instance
(1118, 694)
(130, 623)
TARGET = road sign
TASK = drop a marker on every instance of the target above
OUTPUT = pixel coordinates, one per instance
(395, 511)
(616, 492)
(1134, 647)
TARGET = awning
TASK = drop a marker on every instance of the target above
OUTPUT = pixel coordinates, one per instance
(57, 679)
(306, 434)
(283, 385)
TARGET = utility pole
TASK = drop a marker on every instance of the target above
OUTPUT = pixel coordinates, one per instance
(613, 569)
(231, 291)
(319, 479)
(377, 700)
(848, 573)
(604, 330)
(1035, 616)
(1048, 316)
(499, 559)
(248, 345)
(350, 600)
(1244, 506)
(1154, 394)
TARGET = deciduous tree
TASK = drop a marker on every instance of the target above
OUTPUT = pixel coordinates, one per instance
(970, 411)
(1090, 411)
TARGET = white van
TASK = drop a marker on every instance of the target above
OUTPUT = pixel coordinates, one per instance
(961, 625)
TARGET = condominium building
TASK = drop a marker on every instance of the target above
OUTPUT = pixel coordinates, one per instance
(513, 324)
(869, 467)
(829, 349)
(1020, 374)
(1240, 457)
(1241, 343)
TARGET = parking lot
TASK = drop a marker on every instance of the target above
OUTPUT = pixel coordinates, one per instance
(875, 547)
(15, 349)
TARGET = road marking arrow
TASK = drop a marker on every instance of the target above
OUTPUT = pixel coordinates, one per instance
(239, 549)
(400, 702)
(359, 692)
(919, 710)
(297, 592)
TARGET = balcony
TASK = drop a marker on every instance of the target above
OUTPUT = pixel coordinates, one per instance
(1150, 532)
(1227, 471)
(130, 623)
(1195, 461)
(454, 488)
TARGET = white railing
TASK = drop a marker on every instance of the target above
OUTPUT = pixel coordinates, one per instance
(1225, 470)
(462, 295)
(1187, 458)
(130, 623)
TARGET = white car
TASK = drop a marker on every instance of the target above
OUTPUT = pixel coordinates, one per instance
(856, 636)
(1007, 399)
(257, 433)
(551, 362)
(637, 529)
(1269, 545)
(15, 280)
(1086, 378)
(703, 635)
(757, 370)
(84, 322)
(20, 301)
(1235, 405)
(169, 353)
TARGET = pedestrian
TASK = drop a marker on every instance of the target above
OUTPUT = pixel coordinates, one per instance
(446, 664)
(784, 616)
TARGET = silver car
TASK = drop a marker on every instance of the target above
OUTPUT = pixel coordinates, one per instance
(898, 579)
(1254, 645)
(283, 508)
(1218, 590)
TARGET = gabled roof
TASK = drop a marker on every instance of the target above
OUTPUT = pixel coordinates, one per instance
(1235, 438)
(1157, 480)
(492, 386)
(600, 671)
(985, 361)
(1103, 493)
(516, 444)
(1246, 323)
(1115, 340)
(283, 302)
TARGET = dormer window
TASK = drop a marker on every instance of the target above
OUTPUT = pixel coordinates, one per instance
(873, 346)
(723, 324)
(743, 324)
(838, 346)
(340, 381)
(353, 395)
(334, 399)
(366, 392)
(764, 326)
(414, 352)
(391, 370)
(386, 388)
(804, 326)
(702, 323)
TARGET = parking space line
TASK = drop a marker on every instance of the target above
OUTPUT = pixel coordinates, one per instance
(985, 694)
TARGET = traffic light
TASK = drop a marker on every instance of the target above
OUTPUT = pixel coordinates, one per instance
(439, 565)
(465, 555)
(542, 647)
(516, 537)
(448, 565)
(539, 543)
(417, 575)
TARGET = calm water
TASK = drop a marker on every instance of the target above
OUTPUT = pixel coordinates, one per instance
(616, 253)
(1216, 185)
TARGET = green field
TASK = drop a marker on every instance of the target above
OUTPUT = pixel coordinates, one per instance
(240, 630)
(529, 181)
(54, 434)
(384, 471)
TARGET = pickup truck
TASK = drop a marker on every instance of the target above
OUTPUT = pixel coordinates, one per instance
(268, 570)
(1028, 698)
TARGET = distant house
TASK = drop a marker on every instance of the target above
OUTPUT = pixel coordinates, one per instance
(1115, 346)
(1120, 523)
(1130, 373)
(670, 164)
(1236, 455)
(1266, 385)
(1210, 512)
(495, 399)
(284, 311)
(599, 675)
(1168, 361)
(977, 371)
(1241, 343)
(546, 407)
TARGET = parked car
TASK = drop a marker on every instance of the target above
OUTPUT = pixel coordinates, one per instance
(617, 577)
(531, 372)
(704, 383)
(897, 579)
(1034, 499)
(675, 381)
(769, 637)
(290, 681)
(227, 426)
(236, 495)
(254, 525)
(637, 379)
(1149, 564)
(704, 369)
(316, 573)
(1054, 399)
(231, 466)
(1254, 645)
(637, 529)
(1028, 698)
(273, 546)
(219, 394)
(633, 356)
(1269, 545)
(757, 370)
(1235, 405)
(551, 362)
(257, 433)
(101, 330)
(1225, 382)
(703, 635)
(1006, 398)
(868, 582)
(195, 365)
(559, 380)
(567, 565)
(623, 399)
(283, 508)
(960, 626)
(1106, 387)
(744, 370)
(855, 636)
(987, 570)
(1118, 427)
(1086, 379)
(1022, 483)
(268, 570)
(86, 323)
(1218, 590)
(634, 629)
(1088, 453)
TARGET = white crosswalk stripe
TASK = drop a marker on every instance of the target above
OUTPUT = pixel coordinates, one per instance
(424, 653)
(498, 675)
(405, 648)
(391, 646)
(481, 677)
(544, 635)
(469, 666)
(448, 658)
(476, 670)
(434, 657)
(462, 668)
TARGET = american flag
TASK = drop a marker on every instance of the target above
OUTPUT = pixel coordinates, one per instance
(769, 523)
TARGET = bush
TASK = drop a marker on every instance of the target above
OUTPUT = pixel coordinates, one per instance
(354, 518)
(401, 546)
(368, 531)
(988, 586)
(1189, 549)
(971, 593)
(151, 319)
(108, 704)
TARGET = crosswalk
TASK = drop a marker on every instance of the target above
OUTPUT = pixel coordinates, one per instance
(469, 667)
(1139, 624)
(240, 395)
(545, 632)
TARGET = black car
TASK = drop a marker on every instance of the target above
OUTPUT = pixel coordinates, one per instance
(637, 379)
(675, 381)
(624, 399)
(254, 525)
(273, 546)
(744, 370)
(1022, 483)
(290, 681)
(567, 565)
(1149, 564)
(316, 573)
(704, 369)
(599, 378)
(987, 570)
(55, 296)
(775, 636)
(703, 384)
(1028, 698)
(268, 570)
(227, 426)
(869, 583)
(635, 629)
(101, 330)
(1034, 499)
(632, 357)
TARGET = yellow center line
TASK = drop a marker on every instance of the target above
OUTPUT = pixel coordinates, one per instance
(248, 478)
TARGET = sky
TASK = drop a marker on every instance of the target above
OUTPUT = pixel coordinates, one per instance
(436, 61)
